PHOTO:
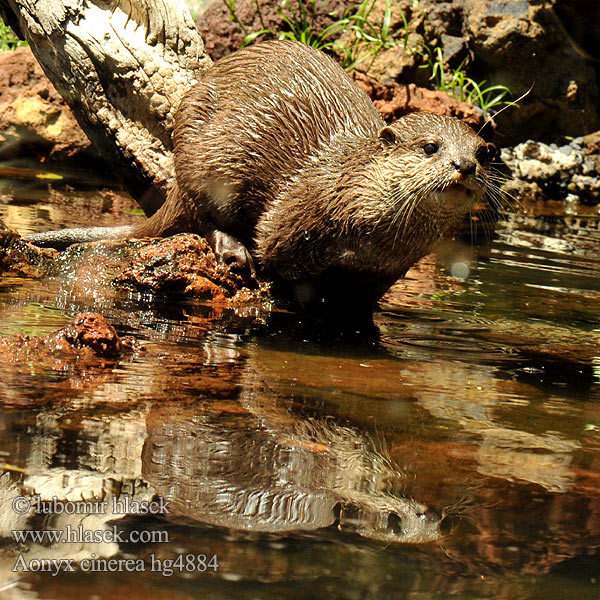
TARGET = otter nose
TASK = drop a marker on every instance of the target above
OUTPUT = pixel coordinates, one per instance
(464, 166)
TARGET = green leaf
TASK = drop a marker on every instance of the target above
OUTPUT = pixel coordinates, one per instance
(51, 176)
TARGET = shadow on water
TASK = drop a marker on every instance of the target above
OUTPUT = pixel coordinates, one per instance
(455, 452)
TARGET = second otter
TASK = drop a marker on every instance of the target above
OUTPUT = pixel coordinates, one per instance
(280, 157)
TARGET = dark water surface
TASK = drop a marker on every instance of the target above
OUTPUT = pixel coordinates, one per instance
(455, 454)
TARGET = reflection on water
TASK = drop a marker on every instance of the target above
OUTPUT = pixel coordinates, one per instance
(304, 474)
(457, 453)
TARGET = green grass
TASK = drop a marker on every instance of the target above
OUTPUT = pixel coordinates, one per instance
(368, 39)
(456, 83)
(8, 40)
(299, 17)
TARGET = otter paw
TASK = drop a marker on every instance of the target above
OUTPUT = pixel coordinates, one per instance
(231, 252)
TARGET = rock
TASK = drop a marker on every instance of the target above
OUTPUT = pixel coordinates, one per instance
(32, 113)
(88, 337)
(391, 62)
(182, 265)
(547, 171)
(394, 100)
(548, 45)
(591, 143)
(388, 66)
(90, 330)
(19, 258)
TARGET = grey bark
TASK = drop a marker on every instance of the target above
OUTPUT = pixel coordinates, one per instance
(122, 66)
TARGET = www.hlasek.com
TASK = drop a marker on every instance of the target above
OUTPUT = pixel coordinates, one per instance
(79, 535)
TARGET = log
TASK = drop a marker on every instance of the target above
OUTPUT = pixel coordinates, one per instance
(122, 66)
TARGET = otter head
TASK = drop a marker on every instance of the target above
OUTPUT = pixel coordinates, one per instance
(390, 519)
(436, 165)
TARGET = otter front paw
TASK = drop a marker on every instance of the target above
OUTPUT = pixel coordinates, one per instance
(231, 252)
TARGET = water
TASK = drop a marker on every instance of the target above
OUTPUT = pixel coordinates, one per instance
(455, 454)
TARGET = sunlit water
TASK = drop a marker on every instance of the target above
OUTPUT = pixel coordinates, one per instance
(454, 454)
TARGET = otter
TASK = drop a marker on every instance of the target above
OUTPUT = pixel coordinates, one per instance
(283, 162)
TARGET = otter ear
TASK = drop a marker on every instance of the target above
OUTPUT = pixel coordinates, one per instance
(387, 135)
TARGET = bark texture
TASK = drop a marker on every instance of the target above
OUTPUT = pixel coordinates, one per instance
(122, 66)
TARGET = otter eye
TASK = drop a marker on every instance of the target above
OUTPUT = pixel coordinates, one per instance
(430, 148)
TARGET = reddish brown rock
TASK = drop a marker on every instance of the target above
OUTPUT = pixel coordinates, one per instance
(181, 265)
(90, 330)
(394, 100)
(19, 258)
(90, 335)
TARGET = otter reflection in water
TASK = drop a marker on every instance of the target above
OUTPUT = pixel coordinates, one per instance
(277, 473)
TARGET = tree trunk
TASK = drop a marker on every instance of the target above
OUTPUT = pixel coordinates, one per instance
(122, 66)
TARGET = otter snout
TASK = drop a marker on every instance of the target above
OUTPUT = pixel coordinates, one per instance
(464, 166)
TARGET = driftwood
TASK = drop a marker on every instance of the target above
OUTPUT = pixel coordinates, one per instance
(122, 66)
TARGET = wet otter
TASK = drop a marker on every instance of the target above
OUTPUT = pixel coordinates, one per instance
(280, 156)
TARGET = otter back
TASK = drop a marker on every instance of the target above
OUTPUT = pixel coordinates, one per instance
(254, 122)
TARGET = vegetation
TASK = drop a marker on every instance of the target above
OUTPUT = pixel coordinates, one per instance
(300, 20)
(357, 38)
(369, 39)
(8, 40)
(299, 17)
(456, 83)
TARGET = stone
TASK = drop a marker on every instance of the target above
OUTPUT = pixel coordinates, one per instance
(32, 113)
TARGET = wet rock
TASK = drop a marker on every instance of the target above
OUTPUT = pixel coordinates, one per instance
(182, 265)
(394, 100)
(32, 113)
(90, 335)
(548, 171)
(19, 258)
(93, 331)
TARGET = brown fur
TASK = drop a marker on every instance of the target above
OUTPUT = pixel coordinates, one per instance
(280, 154)
(279, 148)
